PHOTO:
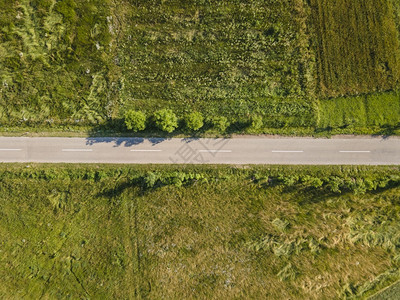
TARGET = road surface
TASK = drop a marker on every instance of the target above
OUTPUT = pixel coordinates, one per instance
(246, 150)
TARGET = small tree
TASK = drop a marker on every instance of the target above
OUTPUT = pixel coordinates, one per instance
(166, 120)
(135, 120)
(194, 121)
(220, 123)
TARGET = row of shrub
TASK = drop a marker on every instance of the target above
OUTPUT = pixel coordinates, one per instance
(333, 179)
(166, 120)
(333, 183)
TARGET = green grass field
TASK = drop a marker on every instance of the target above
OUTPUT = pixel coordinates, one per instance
(84, 63)
(377, 112)
(197, 232)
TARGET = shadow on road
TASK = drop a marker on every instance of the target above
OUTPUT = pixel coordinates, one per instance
(123, 141)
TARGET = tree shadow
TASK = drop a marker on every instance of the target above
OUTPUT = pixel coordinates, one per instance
(323, 132)
(124, 141)
(117, 128)
(388, 131)
(311, 195)
(117, 190)
(238, 127)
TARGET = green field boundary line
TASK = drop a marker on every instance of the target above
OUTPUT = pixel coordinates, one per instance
(383, 290)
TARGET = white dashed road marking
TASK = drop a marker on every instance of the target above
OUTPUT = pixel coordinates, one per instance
(286, 151)
(146, 150)
(355, 151)
(215, 151)
(77, 150)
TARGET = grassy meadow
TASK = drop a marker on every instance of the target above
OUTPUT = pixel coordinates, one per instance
(82, 64)
(198, 232)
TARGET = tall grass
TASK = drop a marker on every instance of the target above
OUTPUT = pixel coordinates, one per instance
(110, 232)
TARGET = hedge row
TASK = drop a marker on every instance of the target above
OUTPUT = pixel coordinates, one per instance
(333, 183)
(167, 121)
(332, 179)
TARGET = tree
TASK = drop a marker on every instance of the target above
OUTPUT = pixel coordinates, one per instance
(166, 120)
(220, 122)
(135, 120)
(194, 121)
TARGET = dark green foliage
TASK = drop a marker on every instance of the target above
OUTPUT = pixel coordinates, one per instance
(155, 179)
(194, 121)
(166, 120)
(334, 183)
(135, 120)
(67, 9)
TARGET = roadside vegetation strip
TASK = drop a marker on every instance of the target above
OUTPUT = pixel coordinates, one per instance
(199, 231)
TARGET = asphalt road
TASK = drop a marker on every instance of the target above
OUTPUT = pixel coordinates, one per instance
(246, 150)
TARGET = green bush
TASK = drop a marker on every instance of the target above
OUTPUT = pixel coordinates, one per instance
(256, 122)
(150, 180)
(220, 123)
(166, 120)
(135, 120)
(194, 121)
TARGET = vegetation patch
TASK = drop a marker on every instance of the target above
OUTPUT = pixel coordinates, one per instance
(262, 64)
(379, 111)
(198, 231)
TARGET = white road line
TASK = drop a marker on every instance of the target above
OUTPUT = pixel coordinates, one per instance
(286, 151)
(355, 151)
(215, 151)
(146, 150)
(10, 149)
(77, 150)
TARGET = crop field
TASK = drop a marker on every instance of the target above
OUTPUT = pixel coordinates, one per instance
(198, 232)
(79, 63)
(203, 54)
(358, 48)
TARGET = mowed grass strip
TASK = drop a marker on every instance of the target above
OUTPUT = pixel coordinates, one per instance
(97, 232)
(375, 110)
